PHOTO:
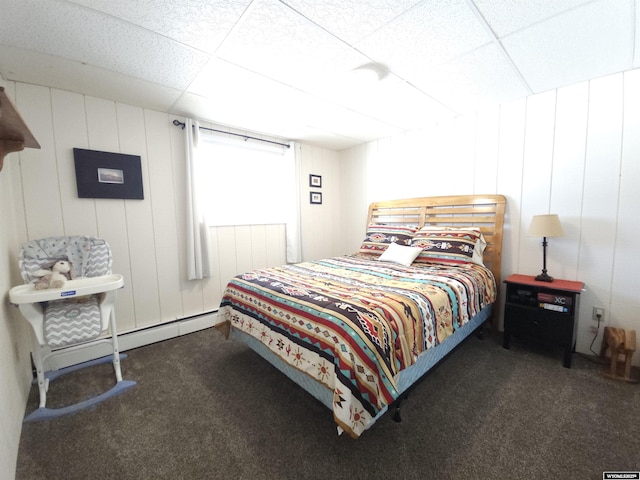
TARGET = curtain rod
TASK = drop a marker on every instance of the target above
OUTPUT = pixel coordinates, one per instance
(180, 124)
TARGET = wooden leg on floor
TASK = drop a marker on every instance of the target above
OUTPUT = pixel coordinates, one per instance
(619, 341)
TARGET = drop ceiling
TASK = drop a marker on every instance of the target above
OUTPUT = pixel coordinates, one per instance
(334, 73)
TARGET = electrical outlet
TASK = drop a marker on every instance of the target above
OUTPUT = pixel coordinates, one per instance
(598, 314)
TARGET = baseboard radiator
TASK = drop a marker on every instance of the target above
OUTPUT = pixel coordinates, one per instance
(127, 341)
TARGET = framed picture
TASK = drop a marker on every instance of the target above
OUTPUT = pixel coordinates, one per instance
(107, 175)
(315, 181)
(315, 198)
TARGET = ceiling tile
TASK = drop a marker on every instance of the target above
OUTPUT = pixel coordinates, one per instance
(423, 37)
(587, 42)
(267, 106)
(351, 20)
(220, 77)
(391, 100)
(510, 16)
(201, 24)
(275, 41)
(287, 126)
(318, 113)
(474, 80)
(221, 109)
(31, 67)
(227, 94)
(76, 33)
(332, 75)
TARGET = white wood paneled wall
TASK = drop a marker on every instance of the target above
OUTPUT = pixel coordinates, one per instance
(146, 235)
(67, 120)
(15, 363)
(322, 235)
(243, 248)
(572, 151)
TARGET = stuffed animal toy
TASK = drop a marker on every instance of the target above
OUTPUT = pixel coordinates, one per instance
(56, 277)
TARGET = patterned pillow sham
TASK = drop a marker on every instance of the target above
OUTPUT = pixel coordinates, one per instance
(450, 244)
(379, 236)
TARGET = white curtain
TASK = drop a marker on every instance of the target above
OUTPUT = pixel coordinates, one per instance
(293, 235)
(198, 257)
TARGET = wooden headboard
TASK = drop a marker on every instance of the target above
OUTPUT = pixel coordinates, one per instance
(483, 211)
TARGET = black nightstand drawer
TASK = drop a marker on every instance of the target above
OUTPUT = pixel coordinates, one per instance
(542, 312)
(551, 327)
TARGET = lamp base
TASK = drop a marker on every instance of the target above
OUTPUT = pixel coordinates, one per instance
(543, 277)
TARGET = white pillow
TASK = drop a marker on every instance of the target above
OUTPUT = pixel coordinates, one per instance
(400, 254)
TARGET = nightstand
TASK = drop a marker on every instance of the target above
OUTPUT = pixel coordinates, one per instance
(544, 312)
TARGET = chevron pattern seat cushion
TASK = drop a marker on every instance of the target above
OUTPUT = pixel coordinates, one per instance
(67, 323)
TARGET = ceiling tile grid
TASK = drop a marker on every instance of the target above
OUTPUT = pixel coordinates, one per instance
(289, 68)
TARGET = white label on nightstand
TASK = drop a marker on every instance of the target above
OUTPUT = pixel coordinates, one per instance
(555, 308)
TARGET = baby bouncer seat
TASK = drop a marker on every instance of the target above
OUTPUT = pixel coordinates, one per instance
(70, 316)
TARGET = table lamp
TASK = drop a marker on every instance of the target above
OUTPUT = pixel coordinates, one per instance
(545, 226)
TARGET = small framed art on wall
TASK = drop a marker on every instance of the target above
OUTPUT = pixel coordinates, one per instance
(315, 181)
(315, 198)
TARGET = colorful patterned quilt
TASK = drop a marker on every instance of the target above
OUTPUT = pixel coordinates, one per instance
(352, 323)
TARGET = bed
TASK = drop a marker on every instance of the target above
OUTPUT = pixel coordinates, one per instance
(358, 331)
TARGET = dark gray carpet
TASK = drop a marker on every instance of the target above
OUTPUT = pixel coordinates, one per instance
(207, 408)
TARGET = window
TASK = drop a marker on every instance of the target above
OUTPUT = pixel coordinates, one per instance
(244, 182)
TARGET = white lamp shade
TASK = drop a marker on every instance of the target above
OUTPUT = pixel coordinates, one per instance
(545, 226)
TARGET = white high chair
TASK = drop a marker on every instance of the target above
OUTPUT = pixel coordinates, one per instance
(70, 316)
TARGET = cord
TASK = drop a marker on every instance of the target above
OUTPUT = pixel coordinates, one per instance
(599, 318)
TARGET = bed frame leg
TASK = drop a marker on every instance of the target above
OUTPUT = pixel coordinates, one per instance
(480, 330)
(396, 413)
(396, 407)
